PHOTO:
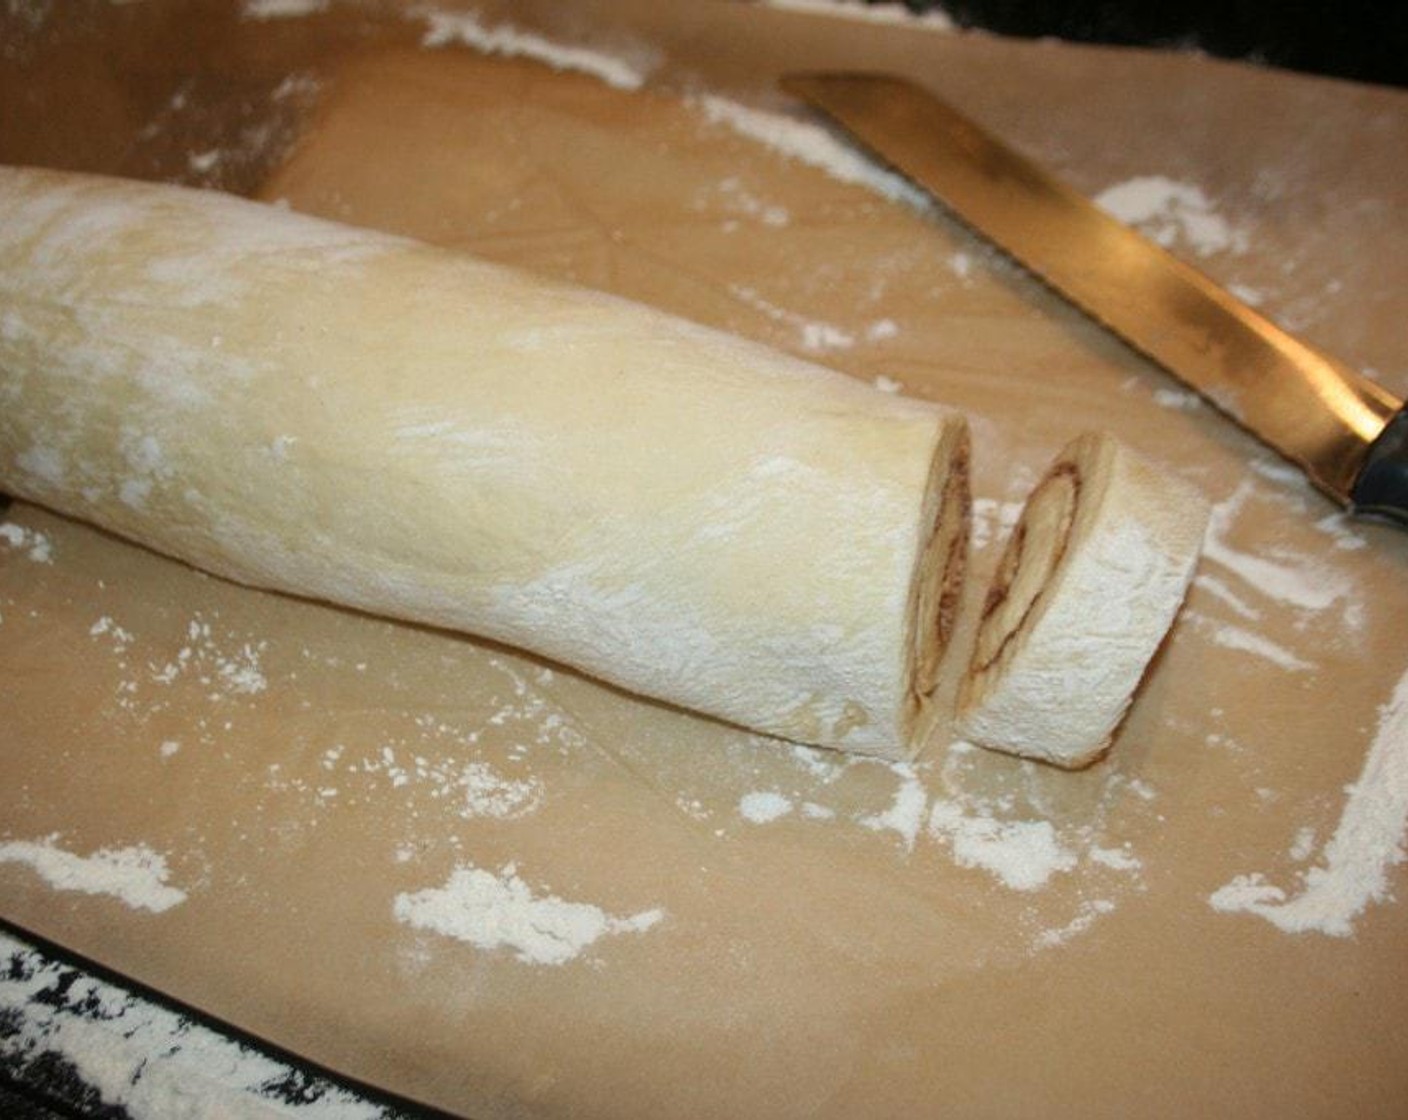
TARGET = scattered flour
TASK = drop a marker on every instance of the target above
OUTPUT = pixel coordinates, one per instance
(444, 28)
(824, 336)
(1247, 641)
(905, 816)
(204, 162)
(731, 197)
(295, 85)
(764, 806)
(147, 1061)
(1300, 582)
(135, 876)
(1184, 400)
(225, 672)
(1117, 859)
(1303, 846)
(1342, 534)
(31, 542)
(1022, 855)
(1368, 840)
(814, 334)
(433, 762)
(1170, 212)
(1278, 470)
(500, 911)
(1089, 912)
(824, 765)
(490, 794)
(810, 144)
(223, 668)
(1220, 591)
(887, 11)
(1250, 296)
(282, 9)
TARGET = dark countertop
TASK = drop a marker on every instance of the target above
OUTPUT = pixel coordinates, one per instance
(78, 1043)
(1359, 39)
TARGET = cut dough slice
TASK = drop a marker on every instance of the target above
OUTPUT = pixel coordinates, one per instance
(345, 415)
(1088, 584)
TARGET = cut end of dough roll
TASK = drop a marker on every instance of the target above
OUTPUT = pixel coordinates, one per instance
(1088, 585)
(938, 579)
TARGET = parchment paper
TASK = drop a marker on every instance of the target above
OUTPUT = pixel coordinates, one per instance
(833, 937)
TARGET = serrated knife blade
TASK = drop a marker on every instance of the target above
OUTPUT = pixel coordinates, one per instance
(1347, 433)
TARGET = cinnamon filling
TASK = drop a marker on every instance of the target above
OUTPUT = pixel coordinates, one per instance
(945, 553)
(1032, 556)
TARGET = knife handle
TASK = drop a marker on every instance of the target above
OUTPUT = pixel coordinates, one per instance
(1381, 490)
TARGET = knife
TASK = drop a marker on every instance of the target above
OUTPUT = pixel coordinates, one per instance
(1347, 433)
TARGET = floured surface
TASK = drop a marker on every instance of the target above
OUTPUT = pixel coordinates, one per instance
(491, 884)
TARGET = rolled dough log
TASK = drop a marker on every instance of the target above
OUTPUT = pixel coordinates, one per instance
(1088, 585)
(354, 417)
